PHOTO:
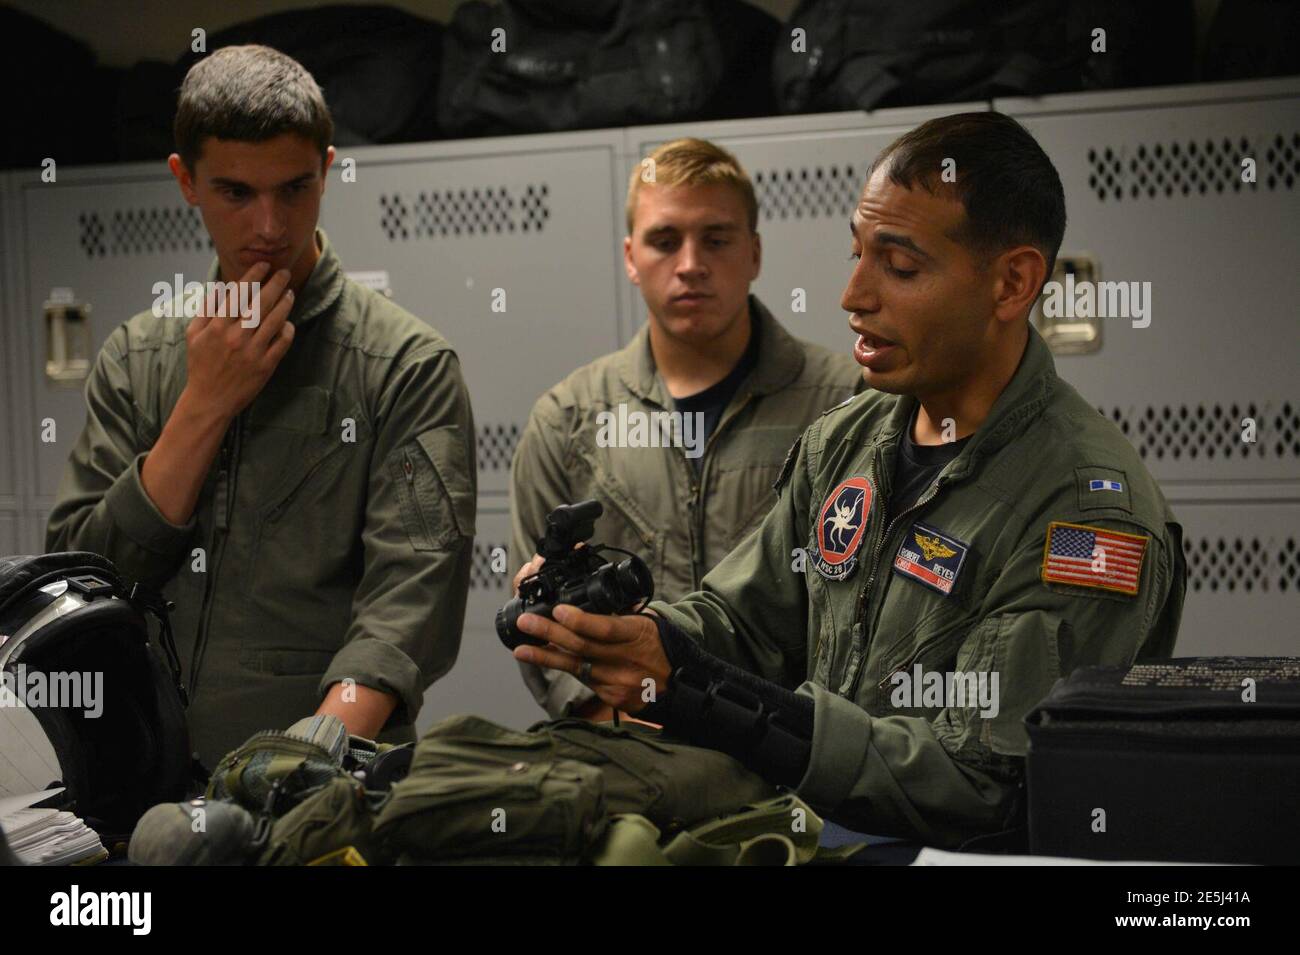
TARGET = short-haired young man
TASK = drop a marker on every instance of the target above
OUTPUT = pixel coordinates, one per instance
(300, 483)
(741, 386)
(971, 521)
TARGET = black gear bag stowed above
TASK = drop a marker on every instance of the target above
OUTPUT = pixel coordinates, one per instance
(376, 65)
(1185, 760)
(525, 66)
(89, 690)
(871, 54)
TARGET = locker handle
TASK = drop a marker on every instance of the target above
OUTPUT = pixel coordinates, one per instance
(1073, 335)
(68, 342)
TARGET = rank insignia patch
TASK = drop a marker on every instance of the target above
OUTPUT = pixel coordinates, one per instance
(1087, 556)
(930, 557)
(841, 526)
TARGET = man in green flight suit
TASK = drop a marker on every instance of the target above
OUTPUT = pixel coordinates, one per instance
(711, 353)
(300, 479)
(970, 518)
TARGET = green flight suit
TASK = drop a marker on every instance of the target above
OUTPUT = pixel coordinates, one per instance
(335, 525)
(837, 604)
(680, 521)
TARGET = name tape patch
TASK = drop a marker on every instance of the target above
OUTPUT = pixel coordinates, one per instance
(930, 557)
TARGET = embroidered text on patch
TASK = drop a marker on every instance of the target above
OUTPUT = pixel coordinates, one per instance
(1087, 556)
(930, 557)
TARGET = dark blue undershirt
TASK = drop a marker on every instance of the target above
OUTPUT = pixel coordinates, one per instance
(916, 466)
(712, 401)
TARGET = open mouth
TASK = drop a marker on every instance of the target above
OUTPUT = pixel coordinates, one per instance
(871, 350)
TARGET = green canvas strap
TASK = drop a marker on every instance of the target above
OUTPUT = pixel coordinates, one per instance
(629, 840)
(771, 848)
(779, 831)
(786, 815)
(838, 854)
(634, 840)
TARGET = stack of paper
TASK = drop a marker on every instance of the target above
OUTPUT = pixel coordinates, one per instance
(27, 759)
(48, 836)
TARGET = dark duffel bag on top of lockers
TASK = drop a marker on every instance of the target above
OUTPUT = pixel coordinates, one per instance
(525, 66)
(869, 54)
(376, 65)
(1186, 760)
(115, 737)
(1252, 38)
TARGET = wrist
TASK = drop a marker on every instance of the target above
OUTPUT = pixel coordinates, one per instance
(196, 411)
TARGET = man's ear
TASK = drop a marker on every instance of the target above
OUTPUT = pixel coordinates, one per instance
(758, 256)
(633, 276)
(325, 169)
(1020, 275)
(184, 178)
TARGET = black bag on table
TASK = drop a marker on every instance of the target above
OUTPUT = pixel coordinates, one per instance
(579, 64)
(1186, 760)
(870, 54)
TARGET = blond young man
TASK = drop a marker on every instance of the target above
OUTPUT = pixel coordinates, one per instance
(742, 389)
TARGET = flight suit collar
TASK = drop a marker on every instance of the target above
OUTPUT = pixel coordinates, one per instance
(780, 360)
(1023, 399)
(322, 288)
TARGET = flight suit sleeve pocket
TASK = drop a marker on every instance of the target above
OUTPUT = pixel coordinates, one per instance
(437, 490)
(1027, 661)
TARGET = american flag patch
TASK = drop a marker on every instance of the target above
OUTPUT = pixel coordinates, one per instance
(1093, 557)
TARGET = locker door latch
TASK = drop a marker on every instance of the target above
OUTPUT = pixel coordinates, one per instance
(1071, 335)
(68, 342)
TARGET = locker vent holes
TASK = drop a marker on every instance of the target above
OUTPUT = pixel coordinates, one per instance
(134, 231)
(807, 193)
(454, 213)
(1236, 564)
(1209, 432)
(1192, 167)
(481, 576)
(496, 446)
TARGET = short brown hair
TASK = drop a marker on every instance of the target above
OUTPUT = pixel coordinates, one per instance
(693, 162)
(249, 93)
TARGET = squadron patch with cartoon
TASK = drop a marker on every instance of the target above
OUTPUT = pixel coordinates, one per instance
(841, 526)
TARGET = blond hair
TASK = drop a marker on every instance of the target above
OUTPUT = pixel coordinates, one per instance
(692, 162)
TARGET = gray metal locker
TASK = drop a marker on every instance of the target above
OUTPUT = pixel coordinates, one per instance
(1154, 194)
(107, 234)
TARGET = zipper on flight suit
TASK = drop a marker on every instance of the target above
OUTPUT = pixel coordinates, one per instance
(223, 499)
(695, 504)
(915, 655)
(408, 472)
